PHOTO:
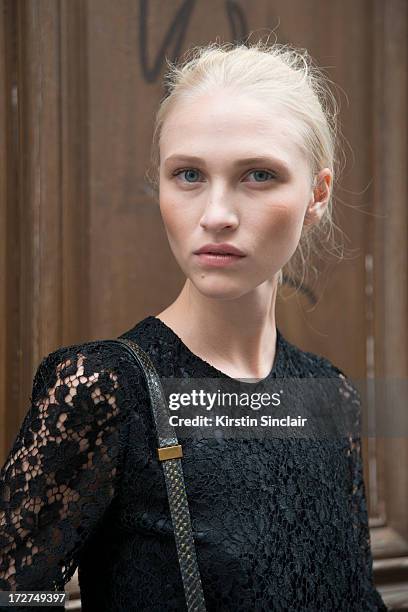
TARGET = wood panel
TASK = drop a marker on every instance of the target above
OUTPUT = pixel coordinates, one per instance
(389, 245)
(4, 113)
(44, 204)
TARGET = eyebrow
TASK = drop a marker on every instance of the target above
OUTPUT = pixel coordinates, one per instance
(263, 159)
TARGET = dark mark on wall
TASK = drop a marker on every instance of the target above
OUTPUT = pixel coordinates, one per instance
(175, 35)
(236, 16)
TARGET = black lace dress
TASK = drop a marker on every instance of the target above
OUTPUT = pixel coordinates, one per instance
(279, 524)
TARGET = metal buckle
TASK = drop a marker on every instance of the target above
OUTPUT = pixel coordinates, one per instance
(170, 452)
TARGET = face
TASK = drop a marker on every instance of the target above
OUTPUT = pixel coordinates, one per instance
(232, 171)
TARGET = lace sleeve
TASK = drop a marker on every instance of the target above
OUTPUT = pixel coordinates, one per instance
(59, 476)
(370, 596)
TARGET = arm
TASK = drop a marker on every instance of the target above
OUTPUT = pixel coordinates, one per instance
(60, 474)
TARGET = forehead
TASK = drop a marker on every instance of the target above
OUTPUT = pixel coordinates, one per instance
(226, 124)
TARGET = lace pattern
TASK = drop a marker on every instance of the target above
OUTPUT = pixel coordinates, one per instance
(279, 524)
(60, 474)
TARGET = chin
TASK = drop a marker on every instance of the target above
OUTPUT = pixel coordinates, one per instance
(220, 288)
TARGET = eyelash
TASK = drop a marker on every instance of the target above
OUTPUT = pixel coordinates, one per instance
(272, 174)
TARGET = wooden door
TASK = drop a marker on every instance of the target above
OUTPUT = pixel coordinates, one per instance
(80, 83)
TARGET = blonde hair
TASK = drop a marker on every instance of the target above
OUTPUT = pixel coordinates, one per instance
(277, 73)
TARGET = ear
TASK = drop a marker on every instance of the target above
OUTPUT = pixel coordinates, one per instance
(320, 197)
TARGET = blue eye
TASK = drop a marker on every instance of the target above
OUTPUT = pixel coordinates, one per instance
(262, 173)
(187, 171)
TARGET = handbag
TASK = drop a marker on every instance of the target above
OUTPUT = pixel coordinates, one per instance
(170, 452)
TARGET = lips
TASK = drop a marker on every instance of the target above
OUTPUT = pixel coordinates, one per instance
(220, 249)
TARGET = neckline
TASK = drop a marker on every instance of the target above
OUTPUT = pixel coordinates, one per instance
(215, 371)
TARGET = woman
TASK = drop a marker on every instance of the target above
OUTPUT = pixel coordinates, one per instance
(244, 152)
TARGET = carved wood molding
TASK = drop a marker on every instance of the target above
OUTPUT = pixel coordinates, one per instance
(389, 237)
(390, 264)
(44, 201)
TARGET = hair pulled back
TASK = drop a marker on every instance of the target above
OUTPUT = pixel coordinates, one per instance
(279, 74)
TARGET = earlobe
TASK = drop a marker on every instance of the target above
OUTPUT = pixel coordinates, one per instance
(314, 212)
(310, 217)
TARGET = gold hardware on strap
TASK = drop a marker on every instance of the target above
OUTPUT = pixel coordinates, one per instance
(170, 452)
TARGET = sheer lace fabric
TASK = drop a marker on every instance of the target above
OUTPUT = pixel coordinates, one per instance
(279, 524)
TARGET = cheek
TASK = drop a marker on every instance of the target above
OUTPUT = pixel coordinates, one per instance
(172, 214)
(279, 227)
(180, 220)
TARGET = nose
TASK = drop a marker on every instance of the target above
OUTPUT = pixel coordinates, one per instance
(218, 215)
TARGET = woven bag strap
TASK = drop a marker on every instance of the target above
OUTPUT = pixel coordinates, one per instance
(169, 452)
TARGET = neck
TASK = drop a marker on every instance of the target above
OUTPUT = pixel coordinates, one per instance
(237, 336)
